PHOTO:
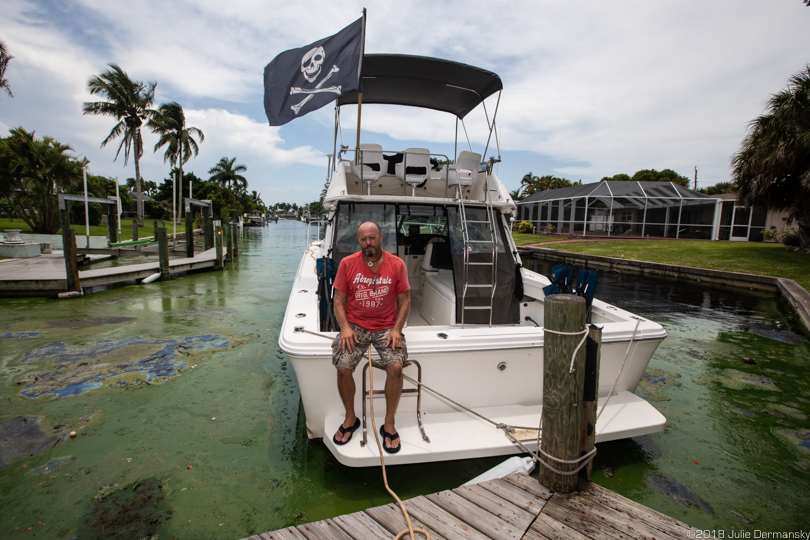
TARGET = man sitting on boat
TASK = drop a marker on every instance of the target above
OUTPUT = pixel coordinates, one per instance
(372, 301)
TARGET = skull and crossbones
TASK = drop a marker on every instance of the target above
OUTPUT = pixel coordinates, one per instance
(311, 64)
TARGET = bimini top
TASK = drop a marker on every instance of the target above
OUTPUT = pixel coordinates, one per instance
(419, 81)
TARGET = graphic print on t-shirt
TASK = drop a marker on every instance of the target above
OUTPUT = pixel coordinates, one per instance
(369, 292)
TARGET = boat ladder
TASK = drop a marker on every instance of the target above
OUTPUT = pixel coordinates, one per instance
(417, 391)
(478, 233)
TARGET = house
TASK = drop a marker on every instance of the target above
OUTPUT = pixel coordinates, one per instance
(644, 210)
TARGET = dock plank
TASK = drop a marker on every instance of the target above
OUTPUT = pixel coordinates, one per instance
(518, 496)
(530, 484)
(290, 533)
(390, 516)
(442, 521)
(638, 512)
(491, 525)
(519, 517)
(558, 508)
(548, 528)
(323, 530)
(361, 526)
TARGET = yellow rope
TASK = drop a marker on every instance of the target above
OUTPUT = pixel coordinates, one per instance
(410, 530)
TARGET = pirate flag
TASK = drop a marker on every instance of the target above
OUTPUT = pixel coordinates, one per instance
(300, 81)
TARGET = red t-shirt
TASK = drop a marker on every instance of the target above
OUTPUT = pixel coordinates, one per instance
(366, 307)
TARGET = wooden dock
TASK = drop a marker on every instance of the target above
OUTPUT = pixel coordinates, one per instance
(45, 275)
(514, 507)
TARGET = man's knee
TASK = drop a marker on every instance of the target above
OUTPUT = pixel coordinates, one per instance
(394, 369)
(344, 374)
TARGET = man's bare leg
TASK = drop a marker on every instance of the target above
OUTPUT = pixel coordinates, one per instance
(393, 391)
(346, 389)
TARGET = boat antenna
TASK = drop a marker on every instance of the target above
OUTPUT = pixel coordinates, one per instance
(492, 127)
(360, 91)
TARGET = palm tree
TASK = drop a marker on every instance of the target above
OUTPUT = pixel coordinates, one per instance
(4, 59)
(227, 174)
(170, 124)
(129, 102)
(33, 172)
(772, 168)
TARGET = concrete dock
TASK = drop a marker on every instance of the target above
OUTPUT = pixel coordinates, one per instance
(45, 275)
(514, 507)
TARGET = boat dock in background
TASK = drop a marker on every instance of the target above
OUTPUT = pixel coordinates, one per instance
(514, 507)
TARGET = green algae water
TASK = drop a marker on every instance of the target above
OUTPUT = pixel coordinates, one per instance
(188, 423)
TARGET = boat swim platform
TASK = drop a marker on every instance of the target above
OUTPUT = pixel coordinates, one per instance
(625, 415)
(517, 506)
(46, 276)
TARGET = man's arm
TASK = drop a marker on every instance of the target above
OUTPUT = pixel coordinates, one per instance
(347, 336)
(403, 309)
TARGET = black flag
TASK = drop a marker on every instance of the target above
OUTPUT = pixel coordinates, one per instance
(302, 80)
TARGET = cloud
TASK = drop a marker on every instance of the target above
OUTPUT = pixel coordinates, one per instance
(591, 88)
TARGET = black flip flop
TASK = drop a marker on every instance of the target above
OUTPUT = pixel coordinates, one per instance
(344, 431)
(390, 436)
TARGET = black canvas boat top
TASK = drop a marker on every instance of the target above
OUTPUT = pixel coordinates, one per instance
(420, 81)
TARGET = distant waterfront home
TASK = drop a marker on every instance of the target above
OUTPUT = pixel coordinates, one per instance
(642, 210)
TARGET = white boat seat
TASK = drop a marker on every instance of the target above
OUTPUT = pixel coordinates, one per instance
(415, 168)
(462, 173)
(370, 165)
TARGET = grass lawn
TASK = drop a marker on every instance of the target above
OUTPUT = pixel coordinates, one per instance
(748, 257)
(95, 230)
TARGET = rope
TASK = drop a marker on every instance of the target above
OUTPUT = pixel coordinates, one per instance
(583, 333)
(621, 369)
(410, 530)
(509, 430)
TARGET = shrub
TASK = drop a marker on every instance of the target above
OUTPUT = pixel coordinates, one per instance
(792, 239)
(525, 227)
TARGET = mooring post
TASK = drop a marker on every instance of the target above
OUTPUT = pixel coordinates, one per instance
(163, 253)
(564, 316)
(590, 396)
(235, 237)
(71, 262)
(189, 232)
(218, 246)
(208, 230)
(227, 242)
(154, 230)
(112, 223)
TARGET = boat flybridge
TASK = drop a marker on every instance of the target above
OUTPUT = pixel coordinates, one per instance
(475, 331)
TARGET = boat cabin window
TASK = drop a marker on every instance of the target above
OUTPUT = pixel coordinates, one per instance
(351, 216)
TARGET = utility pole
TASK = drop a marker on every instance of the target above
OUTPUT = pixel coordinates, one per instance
(695, 177)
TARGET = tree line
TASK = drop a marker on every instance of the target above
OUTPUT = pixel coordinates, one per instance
(34, 170)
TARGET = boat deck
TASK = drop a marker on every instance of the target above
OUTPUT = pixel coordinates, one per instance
(514, 507)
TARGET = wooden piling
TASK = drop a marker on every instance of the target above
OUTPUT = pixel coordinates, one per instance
(163, 253)
(189, 233)
(562, 390)
(112, 223)
(227, 242)
(71, 262)
(235, 239)
(218, 245)
(208, 228)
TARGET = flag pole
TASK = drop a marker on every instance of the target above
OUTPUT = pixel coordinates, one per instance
(360, 92)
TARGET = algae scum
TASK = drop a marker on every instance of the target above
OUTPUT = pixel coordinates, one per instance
(187, 421)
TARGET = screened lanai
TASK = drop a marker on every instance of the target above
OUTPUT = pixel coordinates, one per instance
(629, 209)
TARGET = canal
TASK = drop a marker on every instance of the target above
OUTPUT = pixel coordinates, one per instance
(187, 421)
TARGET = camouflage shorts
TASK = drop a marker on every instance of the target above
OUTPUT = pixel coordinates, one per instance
(349, 360)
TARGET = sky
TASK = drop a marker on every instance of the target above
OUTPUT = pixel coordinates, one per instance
(592, 88)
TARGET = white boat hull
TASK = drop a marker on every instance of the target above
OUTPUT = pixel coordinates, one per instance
(496, 371)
